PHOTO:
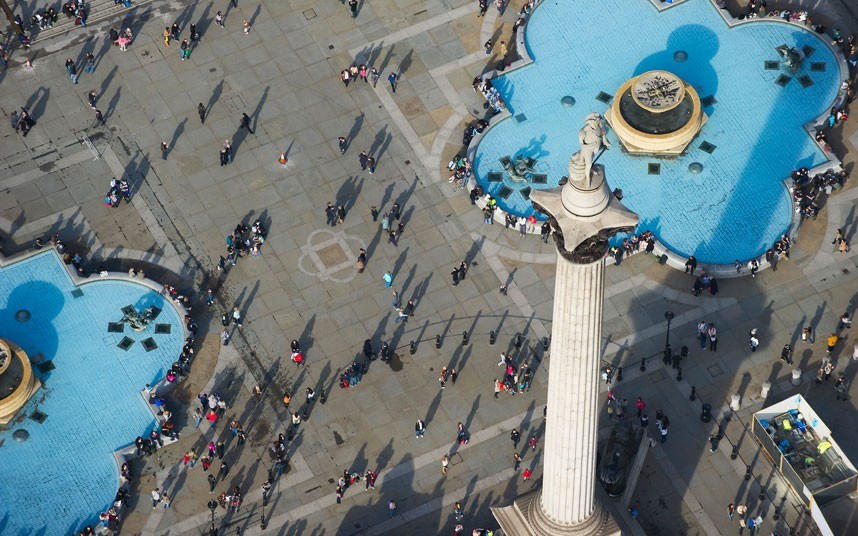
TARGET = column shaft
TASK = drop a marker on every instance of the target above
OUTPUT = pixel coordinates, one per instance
(569, 477)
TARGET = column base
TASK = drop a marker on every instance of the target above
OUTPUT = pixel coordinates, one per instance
(524, 517)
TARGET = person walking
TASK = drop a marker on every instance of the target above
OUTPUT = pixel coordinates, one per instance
(730, 509)
(702, 327)
(90, 63)
(445, 462)
(516, 457)
(419, 428)
(515, 437)
(526, 474)
(236, 316)
(341, 141)
(246, 26)
(245, 123)
(533, 442)
(219, 19)
(164, 150)
(186, 49)
(388, 279)
(201, 111)
(641, 405)
(497, 387)
(156, 497)
(392, 78)
(353, 5)
(391, 507)
(753, 341)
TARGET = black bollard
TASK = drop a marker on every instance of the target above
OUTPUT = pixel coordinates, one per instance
(412, 348)
(517, 341)
(619, 374)
(437, 341)
(544, 344)
(735, 453)
(464, 338)
(679, 374)
(762, 496)
(747, 472)
(706, 413)
(491, 337)
(643, 364)
(693, 396)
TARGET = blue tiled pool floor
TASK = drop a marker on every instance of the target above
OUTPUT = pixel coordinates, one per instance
(738, 205)
(65, 474)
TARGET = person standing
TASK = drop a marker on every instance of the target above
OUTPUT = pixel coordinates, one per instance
(455, 274)
(341, 141)
(526, 474)
(156, 497)
(370, 163)
(219, 19)
(753, 341)
(99, 117)
(186, 49)
(641, 405)
(391, 507)
(730, 509)
(445, 462)
(419, 428)
(701, 333)
(90, 63)
(392, 78)
(167, 35)
(236, 316)
(341, 214)
(516, 461)
(353, 5)
(374, 74)
(497, 388)
(165, 500)
(713, 337)
(388, 279)
(164, 149)
(533, 442)
(246, 25)
(363, 159)
(201, 110)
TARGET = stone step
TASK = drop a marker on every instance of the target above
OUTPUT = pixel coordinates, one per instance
(98, 10)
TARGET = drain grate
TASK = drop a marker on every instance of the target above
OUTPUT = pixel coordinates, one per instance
(707, 147)
(22, 316)
(310, 14)
(817, 66)
(153, 312)
(162, 329)
(77, 293)
(808, 51)
(680, 56)
(772, 65)
(539, 178)
(783, 80)
(125, 343)
(504, 192)
(653, 168)
(525, 192)
(149, 344)
(520, 118)
(604, 97)
(115, 327)
(38, 416)
(45, 367)
(494, 176)
(706, 102)
(805, 81)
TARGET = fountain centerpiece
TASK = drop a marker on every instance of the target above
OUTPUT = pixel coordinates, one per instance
(17, 381)
(138, 320)
(656, 113)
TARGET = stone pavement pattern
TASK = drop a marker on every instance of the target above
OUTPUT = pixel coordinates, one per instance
(284, 75)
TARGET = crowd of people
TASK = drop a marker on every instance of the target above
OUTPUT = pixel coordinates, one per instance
(243, 241)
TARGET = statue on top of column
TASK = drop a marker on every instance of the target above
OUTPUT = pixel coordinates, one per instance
(592, 138)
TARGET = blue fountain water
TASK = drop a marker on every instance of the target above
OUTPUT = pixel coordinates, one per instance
(65, 474)
(737, 205)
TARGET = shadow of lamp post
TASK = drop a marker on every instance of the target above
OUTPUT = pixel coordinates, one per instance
(668, 316)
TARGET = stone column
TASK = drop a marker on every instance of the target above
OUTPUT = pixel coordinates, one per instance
(569, 477)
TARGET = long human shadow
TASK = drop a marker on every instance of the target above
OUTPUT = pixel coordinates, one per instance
(205, 20)
(432, 409)
(107, 80)
(348, 193)
(386, 60)
(260, 104)
(397, 266)
(255, 14)
(354, 131)
(114, 100)
(180, 128)
(306, 339)
(89, 46)
(408, 279)
(385, 198)
(420, 290)
(405, 64)
(216, 93)
(376, 143)
(186, 15)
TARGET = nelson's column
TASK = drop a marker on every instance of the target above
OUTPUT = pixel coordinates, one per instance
(584, 214)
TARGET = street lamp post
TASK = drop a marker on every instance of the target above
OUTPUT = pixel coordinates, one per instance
(213, 506)
(668, 315)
